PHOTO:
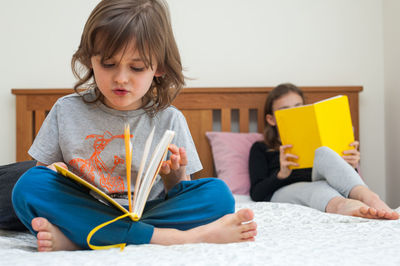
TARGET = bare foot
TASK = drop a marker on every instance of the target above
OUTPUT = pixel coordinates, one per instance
(235, 227)
(372, 199)
(353, 207)
(49, 237)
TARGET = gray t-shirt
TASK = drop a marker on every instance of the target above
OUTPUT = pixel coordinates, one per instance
(89, 138)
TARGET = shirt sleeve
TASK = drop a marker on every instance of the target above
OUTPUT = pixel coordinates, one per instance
(46, 148)
(184, 139)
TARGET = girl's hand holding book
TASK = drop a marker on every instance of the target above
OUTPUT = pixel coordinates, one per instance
(352, 156)
(285, 162)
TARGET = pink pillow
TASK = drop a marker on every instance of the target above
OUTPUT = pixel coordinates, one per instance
(231, 158)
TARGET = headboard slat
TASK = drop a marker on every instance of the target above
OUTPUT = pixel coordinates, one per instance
(260, 120)
(200, 121)
(244, 120)
(226, 119)
(39, 118)
(24, 130)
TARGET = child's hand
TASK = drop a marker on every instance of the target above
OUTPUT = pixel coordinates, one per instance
(52, 167)
(352, 156)
(177, 161)
(173, 171)
(284, 172)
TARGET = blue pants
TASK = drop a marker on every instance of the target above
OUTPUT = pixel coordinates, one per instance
(41, 192)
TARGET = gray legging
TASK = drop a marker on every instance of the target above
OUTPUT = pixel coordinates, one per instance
(331, 177)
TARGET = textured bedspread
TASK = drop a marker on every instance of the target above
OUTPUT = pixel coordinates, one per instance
(287, 235)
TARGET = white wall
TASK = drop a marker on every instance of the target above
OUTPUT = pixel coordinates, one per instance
(38, 39)
(391, 10)
(223, 43)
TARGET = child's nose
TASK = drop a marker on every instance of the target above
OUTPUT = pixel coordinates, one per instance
(121, 76)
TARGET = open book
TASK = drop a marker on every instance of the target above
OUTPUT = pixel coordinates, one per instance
(308, 127)
(145, 177)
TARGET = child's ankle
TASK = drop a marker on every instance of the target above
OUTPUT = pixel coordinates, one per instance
(335, 204)
(362, 193)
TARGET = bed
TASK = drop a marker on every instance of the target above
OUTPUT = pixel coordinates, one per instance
(287, 234)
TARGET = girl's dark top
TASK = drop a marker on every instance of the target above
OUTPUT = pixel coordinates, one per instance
(264, 166)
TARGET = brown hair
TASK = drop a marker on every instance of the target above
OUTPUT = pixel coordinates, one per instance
(109, 29)
(271, 135)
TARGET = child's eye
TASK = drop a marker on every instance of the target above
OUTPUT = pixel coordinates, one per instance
(107, 65)
(137, 69)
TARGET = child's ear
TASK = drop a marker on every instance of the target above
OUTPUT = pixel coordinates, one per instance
(89, 63)
(270, 120)
(159, 73)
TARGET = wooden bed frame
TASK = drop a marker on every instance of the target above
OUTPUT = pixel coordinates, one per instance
(199, 105)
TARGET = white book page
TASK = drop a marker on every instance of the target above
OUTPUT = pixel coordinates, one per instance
(328, 99)
(321, 101)
(151, 172)
(145, 155)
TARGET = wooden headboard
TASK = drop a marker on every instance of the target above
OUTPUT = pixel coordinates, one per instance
(199, 105)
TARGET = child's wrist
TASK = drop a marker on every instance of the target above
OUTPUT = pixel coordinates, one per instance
(281, 175)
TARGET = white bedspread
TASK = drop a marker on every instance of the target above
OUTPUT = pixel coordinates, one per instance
(287, 235)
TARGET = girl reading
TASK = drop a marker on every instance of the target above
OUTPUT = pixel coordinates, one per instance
(333, 184)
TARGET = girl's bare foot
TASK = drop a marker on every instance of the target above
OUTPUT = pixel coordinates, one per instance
(49, 237)
(370, 198)
(235, 227)
(353, 207)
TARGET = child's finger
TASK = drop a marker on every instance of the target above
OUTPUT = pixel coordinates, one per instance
(183, 155)
(287, 146)
(52, 167)
(63, 165)
(284, 147)
(355, 144)
(350, 157)
(352, 160)
(293, 163)
(291, 156)
(290, 163)
(175, 162)
(173, 148)
(165, 169)
(351, 152)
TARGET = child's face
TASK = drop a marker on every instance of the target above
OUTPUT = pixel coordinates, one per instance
(123, 79)
(288, 100)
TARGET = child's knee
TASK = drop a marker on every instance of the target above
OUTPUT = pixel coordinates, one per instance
(323, 150)
(220, 187)
(31, 182)
(220, 195)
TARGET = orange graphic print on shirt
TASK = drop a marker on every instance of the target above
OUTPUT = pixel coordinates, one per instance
(95, 166)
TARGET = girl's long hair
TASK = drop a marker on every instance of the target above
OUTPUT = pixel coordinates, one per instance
(111, 26)
(271, 134)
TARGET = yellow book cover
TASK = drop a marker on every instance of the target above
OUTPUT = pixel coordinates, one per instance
(308, 127)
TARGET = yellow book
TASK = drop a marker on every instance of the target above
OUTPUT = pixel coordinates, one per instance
(308, 127)
(144, 180)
